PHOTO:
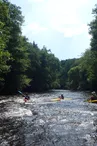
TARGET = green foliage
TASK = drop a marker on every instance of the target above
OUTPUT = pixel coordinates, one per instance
(14, 46)
(44, 69)
(66, 65)
(4, 37)
(89, 63)
(73, 77)
(93, 29)
(92, 69)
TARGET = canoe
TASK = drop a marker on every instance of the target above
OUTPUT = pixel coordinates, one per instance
(92, 101)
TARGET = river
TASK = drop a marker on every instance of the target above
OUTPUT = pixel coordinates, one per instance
(42, 122)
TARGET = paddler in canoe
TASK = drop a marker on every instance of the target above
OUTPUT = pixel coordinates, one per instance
(93, 97)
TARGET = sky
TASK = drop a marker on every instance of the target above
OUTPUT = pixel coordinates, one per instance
(59, 25)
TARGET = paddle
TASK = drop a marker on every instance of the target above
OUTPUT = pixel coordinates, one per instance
(22, 93)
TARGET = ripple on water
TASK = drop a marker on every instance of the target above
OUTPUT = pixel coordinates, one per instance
(45, 123)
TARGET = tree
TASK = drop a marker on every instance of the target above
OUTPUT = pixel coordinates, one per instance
(89, 65)
(93, 29)
(92, 59)
(74, 78)
(16, 78)
(4, 38)
(66, 65)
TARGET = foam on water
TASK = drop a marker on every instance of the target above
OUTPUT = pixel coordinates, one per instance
(4, 101)
(68, 123)
(86, 124)
(18, 112)
(19, 100)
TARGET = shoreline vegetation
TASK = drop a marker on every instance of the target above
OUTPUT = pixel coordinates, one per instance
(26, 67)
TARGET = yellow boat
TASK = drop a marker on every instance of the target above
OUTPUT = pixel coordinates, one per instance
(55, 99)
(92, 101)
(59, 99)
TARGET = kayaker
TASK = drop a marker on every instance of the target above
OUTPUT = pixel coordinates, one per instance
(61, 96)
(94, 96)
(27, 97)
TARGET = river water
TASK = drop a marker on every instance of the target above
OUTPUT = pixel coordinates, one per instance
(43, 122)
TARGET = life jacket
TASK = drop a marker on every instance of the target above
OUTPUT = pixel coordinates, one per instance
(93, 98)
(25, 99)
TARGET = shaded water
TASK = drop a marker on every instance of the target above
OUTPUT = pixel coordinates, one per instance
(41, 122)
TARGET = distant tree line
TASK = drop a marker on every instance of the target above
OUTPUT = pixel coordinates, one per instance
(24, 66)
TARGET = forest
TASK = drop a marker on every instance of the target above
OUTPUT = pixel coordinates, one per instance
(24, 66)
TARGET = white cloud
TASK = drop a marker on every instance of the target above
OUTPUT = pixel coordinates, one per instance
(33, 28)
(70, 32)
(63, 16)
(73, 30)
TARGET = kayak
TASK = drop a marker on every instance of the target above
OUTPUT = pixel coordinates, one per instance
(59, 99)
(56, 99)
(92, 101)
